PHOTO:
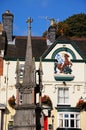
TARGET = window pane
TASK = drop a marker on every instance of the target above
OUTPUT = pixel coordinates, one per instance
(77, 123)
(77, 116)
(66, 92)
(66, 115)
(61, 93)
(72, 115)
(66, 100)
(61, 100)
(66, 123)
(71, 123)
(61, 123)
(61, 116)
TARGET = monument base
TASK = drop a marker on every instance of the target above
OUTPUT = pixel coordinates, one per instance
(25, 117)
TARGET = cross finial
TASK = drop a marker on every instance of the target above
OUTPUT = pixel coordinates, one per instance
(29, 21)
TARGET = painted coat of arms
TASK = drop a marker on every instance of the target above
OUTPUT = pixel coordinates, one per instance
(63, 67)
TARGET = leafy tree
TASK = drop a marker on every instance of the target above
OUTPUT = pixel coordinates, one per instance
(77, 25)
(73, 26)
(62, 28)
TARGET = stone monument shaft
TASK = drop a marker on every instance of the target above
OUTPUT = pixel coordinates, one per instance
(25, 117)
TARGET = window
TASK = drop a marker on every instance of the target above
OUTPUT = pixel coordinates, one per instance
(63, 95)
(69, 120)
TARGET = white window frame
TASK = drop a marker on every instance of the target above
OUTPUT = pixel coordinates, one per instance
(76, 118)
(63, 96)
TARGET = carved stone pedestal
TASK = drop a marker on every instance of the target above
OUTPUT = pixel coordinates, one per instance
(25, 117)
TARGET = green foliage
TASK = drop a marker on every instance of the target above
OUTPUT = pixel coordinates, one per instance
(77, 25)
(63, 28)
(73, 26)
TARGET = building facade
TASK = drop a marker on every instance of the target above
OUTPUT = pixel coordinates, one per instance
(64, 77)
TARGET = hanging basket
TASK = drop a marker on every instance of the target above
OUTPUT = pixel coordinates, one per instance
(11, 101)
(46, 101)
(81, 105)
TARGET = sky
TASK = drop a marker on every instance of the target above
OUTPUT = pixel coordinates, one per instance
(38, 10)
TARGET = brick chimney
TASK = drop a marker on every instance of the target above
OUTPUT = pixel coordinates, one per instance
(7, 20)
(51, 33)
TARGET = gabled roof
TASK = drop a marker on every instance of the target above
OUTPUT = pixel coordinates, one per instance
(18, 50)
(81, 43)
(40, 47)
(78, 44)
